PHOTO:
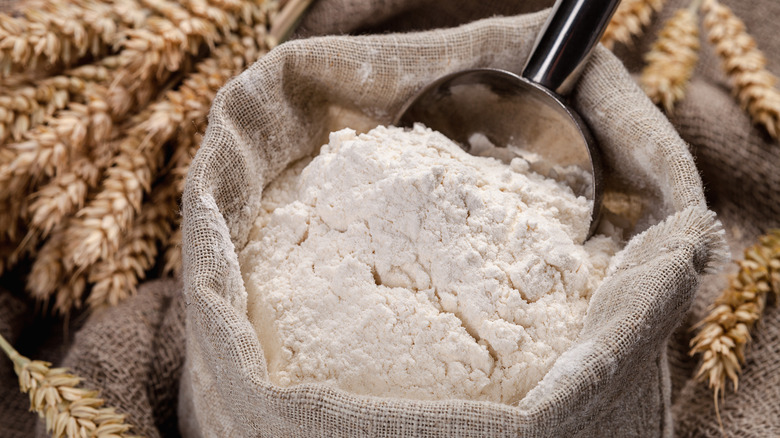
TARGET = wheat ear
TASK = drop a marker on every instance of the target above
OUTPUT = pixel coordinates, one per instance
(672, 59)
(116, 278)
(49, 276)
(69, 411)
(60, 32)
(29, 103)
(745, 65)
(22, 41)
(725, 331)
(11, 232)
(243, 9)
(26, 107)
(163, 46)
(67, 192)
(48, 149)
(629, 21)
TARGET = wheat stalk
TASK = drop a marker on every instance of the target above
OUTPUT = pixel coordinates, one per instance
(52, 276)
(745, 65)
(68, 410)
(163, 46)
(48, 272)
(672, 59)
(65, 193)
(725, 331)
(629, 21)
(96, 229)
(243, 9)
(10, 225)
(11, 232)
(225, 21)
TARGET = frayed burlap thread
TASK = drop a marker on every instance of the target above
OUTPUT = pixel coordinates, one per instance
(614, 379)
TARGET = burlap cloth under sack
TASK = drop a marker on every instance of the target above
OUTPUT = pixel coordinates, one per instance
(740, 166)
(612, 382)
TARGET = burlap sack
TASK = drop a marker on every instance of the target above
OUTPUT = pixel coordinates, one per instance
(613, 381)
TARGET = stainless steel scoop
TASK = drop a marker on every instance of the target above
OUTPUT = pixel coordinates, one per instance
(526, 116)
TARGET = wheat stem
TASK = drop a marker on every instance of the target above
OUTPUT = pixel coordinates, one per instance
(286, 21)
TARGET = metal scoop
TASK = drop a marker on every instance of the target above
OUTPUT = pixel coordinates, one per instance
(498, 113)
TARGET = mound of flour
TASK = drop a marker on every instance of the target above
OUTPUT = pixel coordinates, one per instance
(396, 264)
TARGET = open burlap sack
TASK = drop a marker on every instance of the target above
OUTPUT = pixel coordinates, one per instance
(739, 164)
(612, 382)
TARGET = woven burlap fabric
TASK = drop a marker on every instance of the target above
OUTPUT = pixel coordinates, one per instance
(7, 5)
(612, 382)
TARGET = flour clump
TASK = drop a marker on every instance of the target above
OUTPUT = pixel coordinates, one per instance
(396, 264)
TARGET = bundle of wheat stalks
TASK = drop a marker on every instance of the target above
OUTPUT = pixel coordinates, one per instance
(671, 61)
(102, 106)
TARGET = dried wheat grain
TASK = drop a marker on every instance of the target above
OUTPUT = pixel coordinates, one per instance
(629, 21)
(745, 65)
(672, 60)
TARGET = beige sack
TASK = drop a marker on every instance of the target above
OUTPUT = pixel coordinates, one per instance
(612, 382)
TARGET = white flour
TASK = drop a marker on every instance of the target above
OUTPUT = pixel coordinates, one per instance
(396, 264)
